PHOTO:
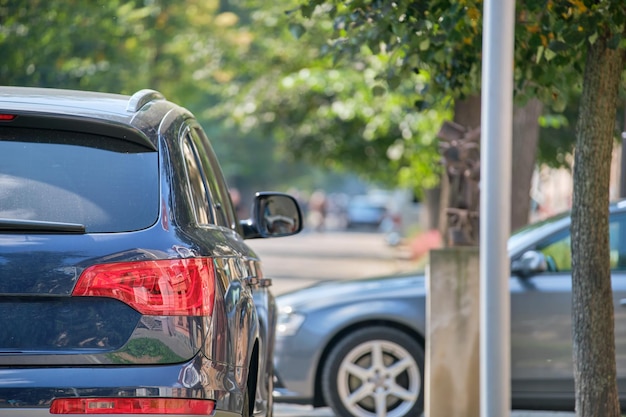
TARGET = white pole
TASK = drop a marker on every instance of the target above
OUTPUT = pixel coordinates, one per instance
(495, 207)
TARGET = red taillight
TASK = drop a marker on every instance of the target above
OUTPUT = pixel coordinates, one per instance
(131, 406)
(172, 287)
(6, 117)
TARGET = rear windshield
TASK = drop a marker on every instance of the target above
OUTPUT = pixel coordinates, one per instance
(105, 184)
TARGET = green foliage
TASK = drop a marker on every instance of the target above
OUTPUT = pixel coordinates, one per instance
(557, 137)
(258, 83)
(340, 119)
(441, 37)
(346, 86)
(444, 38)
(73, 44)
(336, 115)
(551, 43)
(190, 51)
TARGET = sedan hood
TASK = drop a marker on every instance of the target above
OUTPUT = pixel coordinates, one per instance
(340, 291)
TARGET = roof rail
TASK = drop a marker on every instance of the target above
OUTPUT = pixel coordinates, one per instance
(141, 98)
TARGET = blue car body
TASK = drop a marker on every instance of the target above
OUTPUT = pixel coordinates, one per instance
(125, 281)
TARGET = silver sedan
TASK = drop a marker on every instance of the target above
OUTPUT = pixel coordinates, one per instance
(358, 346)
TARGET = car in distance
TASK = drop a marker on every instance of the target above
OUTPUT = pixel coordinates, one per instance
(126, 286)
(358, 345)
(365, 212)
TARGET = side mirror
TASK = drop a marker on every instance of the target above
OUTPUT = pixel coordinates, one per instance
(273, 215)
(530, 263)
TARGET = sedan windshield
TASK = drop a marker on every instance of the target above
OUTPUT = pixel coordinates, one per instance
(523, 235)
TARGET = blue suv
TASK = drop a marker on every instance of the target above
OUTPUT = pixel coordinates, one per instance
(125, 283)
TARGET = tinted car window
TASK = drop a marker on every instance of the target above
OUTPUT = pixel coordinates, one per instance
(225, 212)
(199, 195)
(105, 184)
(558, 254)
(617, 231)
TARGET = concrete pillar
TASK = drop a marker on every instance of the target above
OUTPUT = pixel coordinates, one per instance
(452, 339)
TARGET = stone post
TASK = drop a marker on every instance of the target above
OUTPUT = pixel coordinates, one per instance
(452, 339)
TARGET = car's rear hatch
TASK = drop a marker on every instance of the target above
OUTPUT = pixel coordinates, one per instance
(69, 201)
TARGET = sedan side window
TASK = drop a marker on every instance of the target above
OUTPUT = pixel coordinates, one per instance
(617, 241)
(557, 252)
(557, 249)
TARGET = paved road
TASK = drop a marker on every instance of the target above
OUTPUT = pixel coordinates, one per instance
(287, 410)
(310, 257)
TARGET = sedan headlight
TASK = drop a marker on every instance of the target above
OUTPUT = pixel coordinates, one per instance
(288, 321)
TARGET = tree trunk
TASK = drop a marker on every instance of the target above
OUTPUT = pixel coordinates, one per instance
(525, 139)
(467, 111)
(592, 298)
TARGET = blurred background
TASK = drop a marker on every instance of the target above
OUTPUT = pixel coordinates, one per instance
(346, 124)
(354, 136)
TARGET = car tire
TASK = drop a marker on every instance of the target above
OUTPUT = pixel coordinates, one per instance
(375, 369)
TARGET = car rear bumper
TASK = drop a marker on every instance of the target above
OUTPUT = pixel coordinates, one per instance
(29, 391)
(41, 412)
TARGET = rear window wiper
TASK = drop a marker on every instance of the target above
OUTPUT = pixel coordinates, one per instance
(36, 226)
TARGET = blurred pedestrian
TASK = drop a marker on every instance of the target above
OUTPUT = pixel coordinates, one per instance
(318, 208)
